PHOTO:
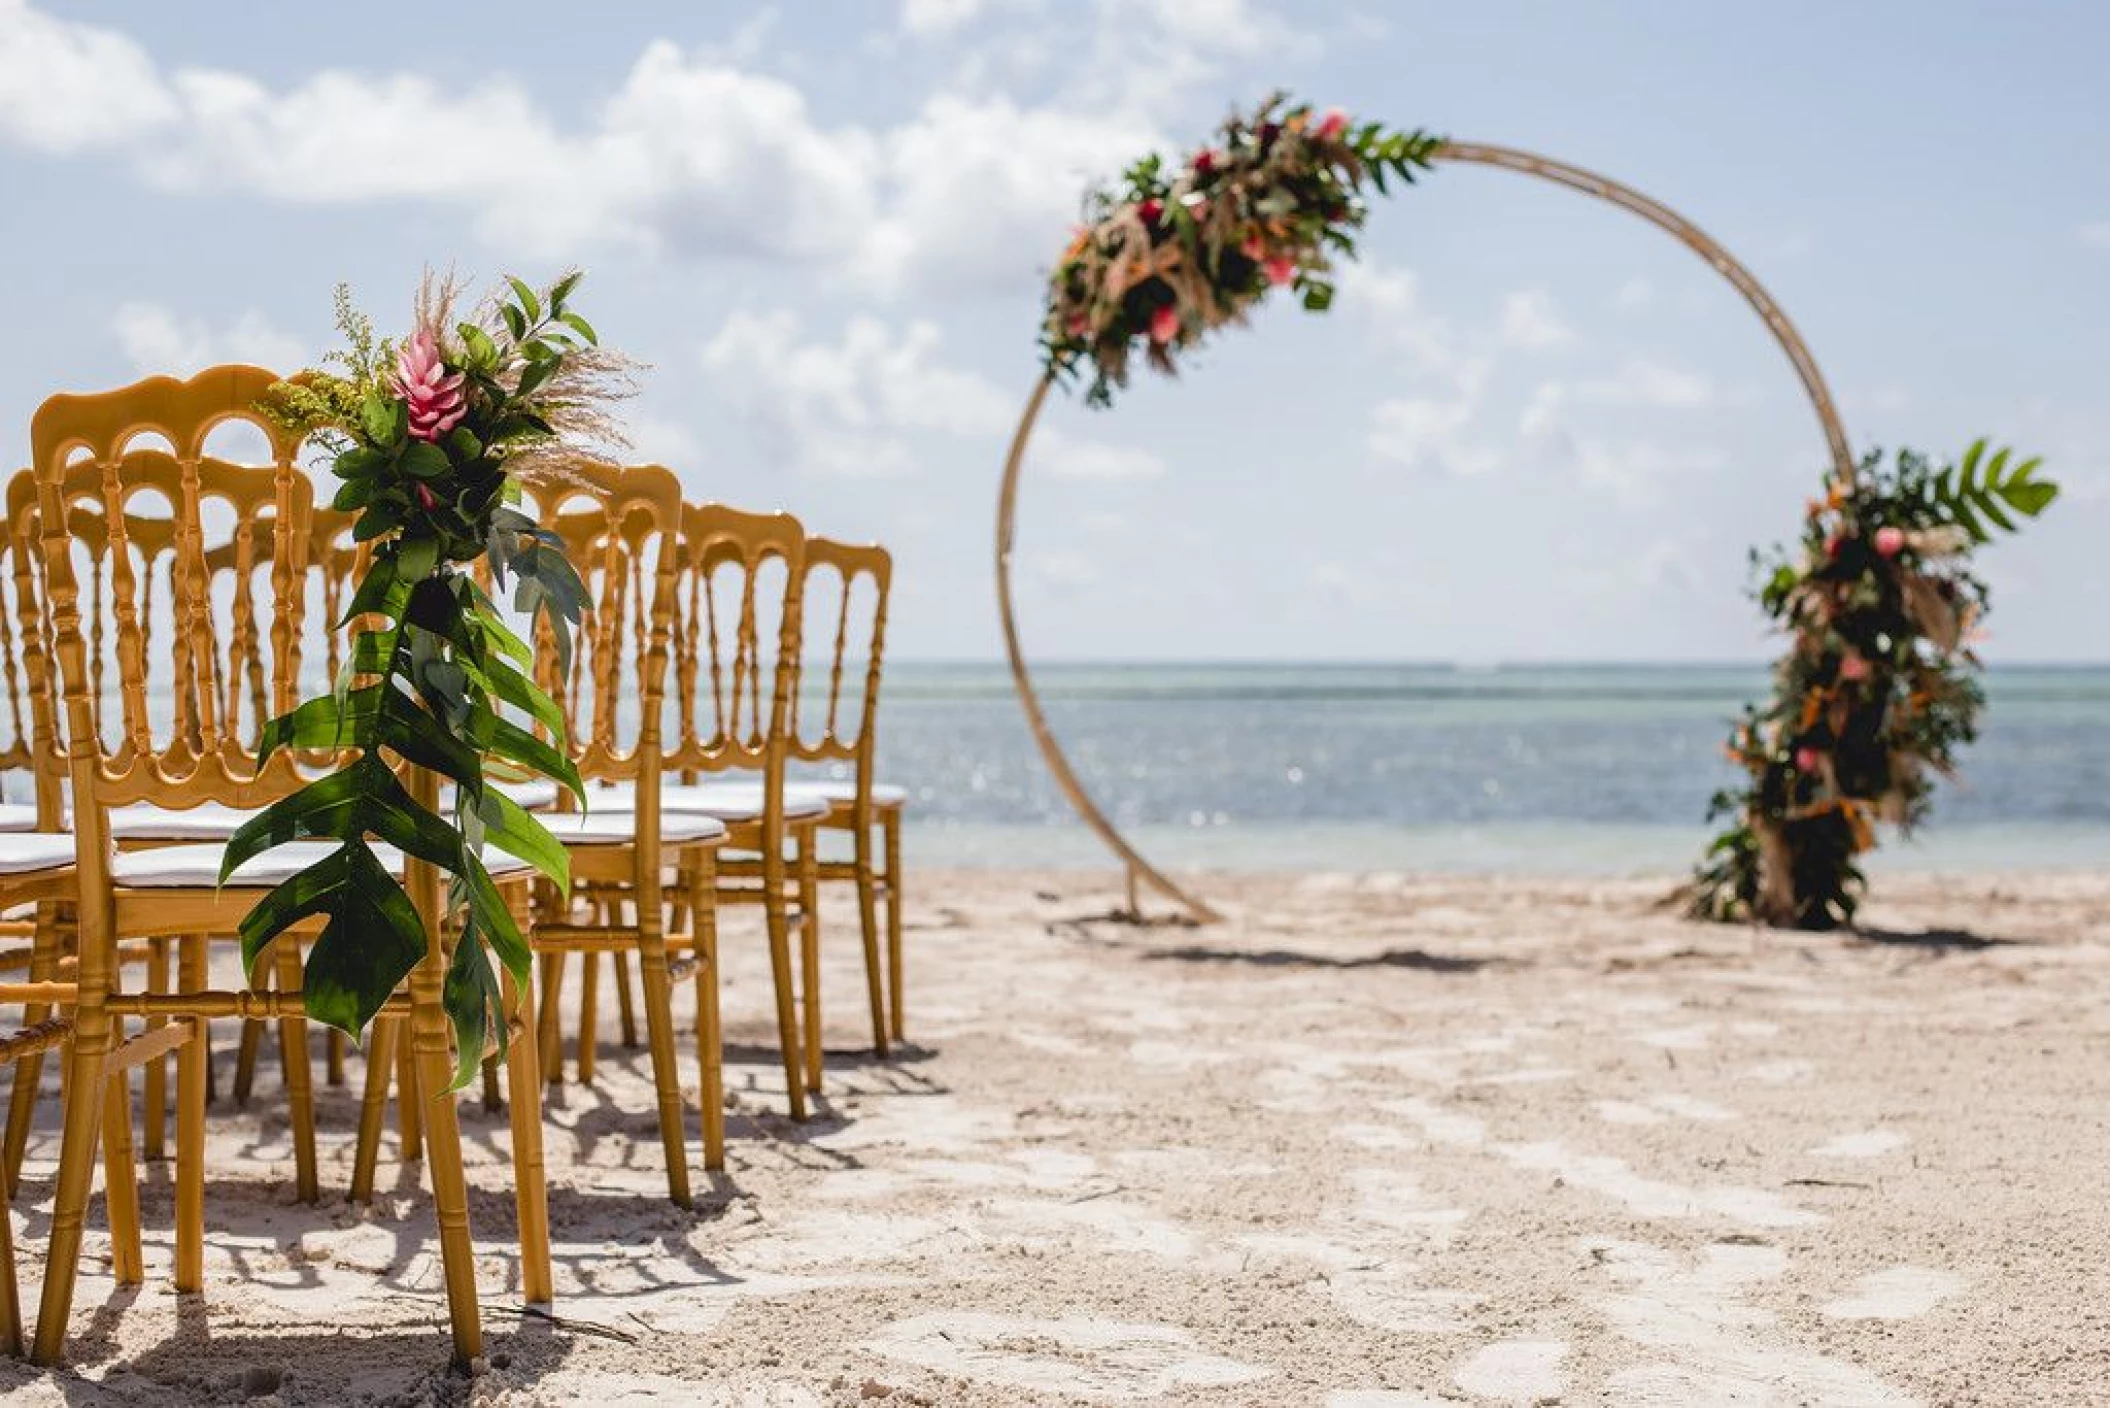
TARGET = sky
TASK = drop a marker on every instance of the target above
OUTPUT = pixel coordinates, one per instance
(1532, 428)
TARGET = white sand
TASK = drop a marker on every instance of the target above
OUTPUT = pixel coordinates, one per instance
(1378, 1141)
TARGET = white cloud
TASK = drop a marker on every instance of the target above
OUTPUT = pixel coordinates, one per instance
(851, 407)
(157, 341)
(937, 16)
(982, 190)
(691, 155)
(1068, 457)
(1636, 292)
(68, 87)
(1530, 322)
(1638, 382)
(1388, 301)
(2096, 235)
(1418, 432)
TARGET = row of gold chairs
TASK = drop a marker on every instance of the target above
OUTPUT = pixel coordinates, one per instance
(170, 595)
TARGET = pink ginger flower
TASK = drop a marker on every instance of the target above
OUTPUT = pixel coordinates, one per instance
(435, 398)
(1280, 269)
(1332, 125)
(1890, 541)
(1807, 758)
(1164, 324)
(1853, 668)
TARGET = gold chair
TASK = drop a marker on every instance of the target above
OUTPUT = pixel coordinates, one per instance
(120, 750)
(627, 548)
(733, 679)
(859, 804)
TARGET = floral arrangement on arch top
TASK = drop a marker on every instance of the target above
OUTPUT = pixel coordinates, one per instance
(1170, 254)
(431, 440)
(1878, 688)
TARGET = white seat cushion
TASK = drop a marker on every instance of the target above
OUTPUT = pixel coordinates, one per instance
(25, 852)
(198, 867)
(832, 790)
(618, 826)
(727, 801)
(17, 816)
(209, 821)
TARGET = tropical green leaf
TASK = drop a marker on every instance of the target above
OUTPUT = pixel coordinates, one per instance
(474, 1003)
(514, 830)
(322, 722)
(321, 809)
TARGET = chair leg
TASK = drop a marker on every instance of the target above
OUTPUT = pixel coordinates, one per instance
(779, 923)
(44, 958)
(373, 1105)
(589, 1004)
(659, 1030)
(299, 1077)
(626, 1008)
(810, 952)
(334, 1057)
(530, 1176)
(10, 1289)
(549, 1041)
(890, 826)
(193, 1061)
(868, 924)
(710, 1036)
(443, 1160)
(154, 1145)
(82, 1132)
(410, 1117)
(252, 1039)
(494, 1094)
(121, 1181)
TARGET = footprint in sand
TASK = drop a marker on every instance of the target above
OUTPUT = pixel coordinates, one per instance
(1074, 1357)
(1862, 1144)
(1898, 1293)
(1380, 1398)
(1515, 1371)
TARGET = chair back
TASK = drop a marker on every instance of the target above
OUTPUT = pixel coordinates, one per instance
(736, 644)
(20, 626)
(190, 645)
(622, 530)
(846, 584)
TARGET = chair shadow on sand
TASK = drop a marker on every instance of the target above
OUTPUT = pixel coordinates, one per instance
(1415, 959)
(1937, 942)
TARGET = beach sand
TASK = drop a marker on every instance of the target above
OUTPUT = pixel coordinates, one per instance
(1375, 1141)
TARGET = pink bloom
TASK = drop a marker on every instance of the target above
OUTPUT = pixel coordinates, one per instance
(1164, 324)
(1280, 269)
(1332, 125)
(1078, 324)
(1807, 758)
(1833, 544)
(426, 498)
(1852, 668)
(422, 383)
(1251, 248)
(1890, 541)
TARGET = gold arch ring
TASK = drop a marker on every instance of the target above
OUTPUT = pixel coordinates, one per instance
(1139, 870)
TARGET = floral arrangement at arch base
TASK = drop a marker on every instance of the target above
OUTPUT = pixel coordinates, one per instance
(431, 441)
(1878, 689)
(1173, 252)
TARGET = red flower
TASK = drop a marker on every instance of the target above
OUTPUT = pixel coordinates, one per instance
(1807, 758)
(1204, 162)
(1280, 269)
(1833, 544)
(1164, 324)
(1151, 211)
(1269, 131)
(1852, 668)
(1252, 248)
(1078, 324)
(1890, 541)
(1332, 126)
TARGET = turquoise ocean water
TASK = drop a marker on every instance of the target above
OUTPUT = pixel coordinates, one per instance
(1554, 769)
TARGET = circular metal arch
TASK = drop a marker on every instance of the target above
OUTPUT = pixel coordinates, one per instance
(1141, 871)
